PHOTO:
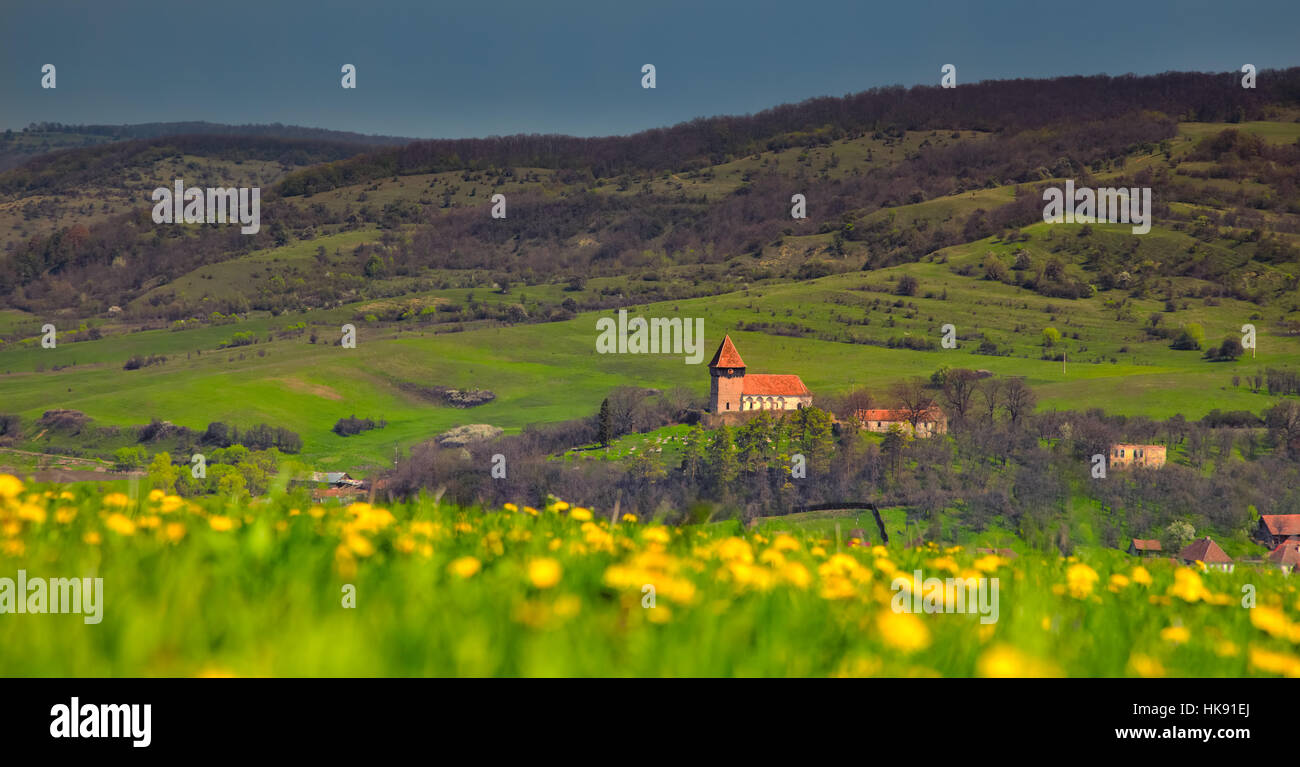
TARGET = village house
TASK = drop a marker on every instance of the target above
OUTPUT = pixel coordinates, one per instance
(1206, 551)
(930, 421)
(1123, 456)
(335, 479)
(1145, 548)
(1275, 529)
(1286, 555)
(732, 391)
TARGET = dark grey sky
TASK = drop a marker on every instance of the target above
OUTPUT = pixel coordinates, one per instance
(476, 68)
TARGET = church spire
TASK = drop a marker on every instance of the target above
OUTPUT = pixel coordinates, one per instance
(727, 356)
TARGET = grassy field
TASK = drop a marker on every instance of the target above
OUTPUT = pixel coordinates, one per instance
(279, 588)
(551, 371)
(834, 331)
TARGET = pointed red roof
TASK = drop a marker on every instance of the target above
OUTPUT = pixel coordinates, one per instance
(1286, 554)
(1204, 550)
(727, 356)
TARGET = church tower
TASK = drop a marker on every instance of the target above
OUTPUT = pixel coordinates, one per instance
(727, 378)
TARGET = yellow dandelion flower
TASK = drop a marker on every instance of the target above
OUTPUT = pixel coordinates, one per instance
(174, 531)
(544, 573)
(580, 514)
(1188, 586)
(510, 507)
(10, 487)
(120, 500)
(65, 515)
(1080, 579)
(1274, 662)
(32, 513)
(1146, 666)
(120, 524)
(796, 575)
(91, 538)
(465, 567)
(221, 523)
(1270, 620)
(1175, 634)
(903, 631)
(173, 503)
(359, 545)
(1002, 661)
(629, 517)
(1226, 649)
(156, 495)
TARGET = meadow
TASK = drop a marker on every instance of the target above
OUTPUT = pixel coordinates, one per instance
(545, 372)
(215, 587)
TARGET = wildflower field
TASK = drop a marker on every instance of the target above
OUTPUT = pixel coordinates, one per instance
(216, 587)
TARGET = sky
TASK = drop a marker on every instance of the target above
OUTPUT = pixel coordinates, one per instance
(435, 69)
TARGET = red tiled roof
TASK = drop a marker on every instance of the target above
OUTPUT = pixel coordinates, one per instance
(1282, 524)
(727, 356)
(932, 414)
(1286, 553)
(1204, 550)
(773, 385)
(1148, 545)
(337, 492)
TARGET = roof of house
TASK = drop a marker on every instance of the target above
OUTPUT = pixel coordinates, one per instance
(337, 492)
(727, 356)
(1282, 524)
(1150, 544)
(773, 386)
(1286, 553)
(329, 476)
(1204, 550)
(882, 414)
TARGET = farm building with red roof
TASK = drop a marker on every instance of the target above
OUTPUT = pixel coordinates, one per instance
(1144, 548)
(1286, 555)
(928, 422)
(1278, 528)
(1205, 550)
(731, 390)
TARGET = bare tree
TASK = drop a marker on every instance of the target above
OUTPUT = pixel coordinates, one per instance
(959, 390)
(990, 395)
(847, 407)
(1018, 399)
(914, 398)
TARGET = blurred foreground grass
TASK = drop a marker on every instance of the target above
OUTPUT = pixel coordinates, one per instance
(257, 588)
